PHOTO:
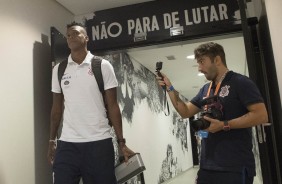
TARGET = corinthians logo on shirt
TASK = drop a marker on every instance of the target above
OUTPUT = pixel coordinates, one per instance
(224, 91)
(66, 82)
(90, 72)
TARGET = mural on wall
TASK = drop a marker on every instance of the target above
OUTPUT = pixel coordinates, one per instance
(137, 85)
(179, 130)
(169, 166)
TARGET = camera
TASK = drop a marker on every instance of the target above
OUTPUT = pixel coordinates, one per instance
(213, 109)
(159, 66)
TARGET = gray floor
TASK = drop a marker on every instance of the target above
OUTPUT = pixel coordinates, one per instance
(188, 177)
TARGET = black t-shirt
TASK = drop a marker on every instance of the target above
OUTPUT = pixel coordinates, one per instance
(230, 150)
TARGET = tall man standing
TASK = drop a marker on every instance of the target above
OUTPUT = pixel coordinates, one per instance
(85, 149)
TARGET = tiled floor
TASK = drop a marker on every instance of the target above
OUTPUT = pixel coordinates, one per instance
(188, 177)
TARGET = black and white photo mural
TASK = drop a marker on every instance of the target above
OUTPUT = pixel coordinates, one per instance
(162, 140)
(136, 85)
(169, 166)
(180, 130)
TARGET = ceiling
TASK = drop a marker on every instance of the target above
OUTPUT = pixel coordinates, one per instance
(79, 7)
(182, 72)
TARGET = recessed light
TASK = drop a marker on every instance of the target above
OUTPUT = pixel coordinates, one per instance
(171, 57)
(191, 57)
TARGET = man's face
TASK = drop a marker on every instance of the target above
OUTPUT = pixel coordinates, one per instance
(76, 37)
(207, 67)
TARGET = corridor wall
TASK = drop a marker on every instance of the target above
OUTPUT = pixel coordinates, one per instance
(25, 94)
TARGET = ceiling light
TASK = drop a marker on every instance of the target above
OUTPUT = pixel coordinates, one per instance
(191, 57)
(171, 57)
(140, 36)
(201, 74)
(176, 31)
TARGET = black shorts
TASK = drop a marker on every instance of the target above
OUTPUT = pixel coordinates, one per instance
(94, 162)
(226, 177)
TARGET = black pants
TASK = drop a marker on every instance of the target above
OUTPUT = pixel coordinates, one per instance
(91, 161)
(223, 177)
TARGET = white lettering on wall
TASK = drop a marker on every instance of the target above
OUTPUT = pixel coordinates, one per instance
(196, 17)
(131, 25)
(222, 11)
(205, 14)
(205, 8)
(110, 28)
(95, 32)
(214, 16)
(171, 20)
(193, 16)
(155, 24)
(167, 20)
(103, 32)
(144, 24)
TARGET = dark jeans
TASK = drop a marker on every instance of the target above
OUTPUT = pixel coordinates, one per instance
(223, 177)
(91, 161)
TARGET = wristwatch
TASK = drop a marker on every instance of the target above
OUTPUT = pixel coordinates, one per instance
(226, 126)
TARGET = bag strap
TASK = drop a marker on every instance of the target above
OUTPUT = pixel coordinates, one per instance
(97, 71)
(61, 71)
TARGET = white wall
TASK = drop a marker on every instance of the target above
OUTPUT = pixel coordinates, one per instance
(150, 132)
(25, 54)
(273, 9)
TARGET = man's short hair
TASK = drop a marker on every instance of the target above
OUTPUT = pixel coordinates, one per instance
(211, 50)
(75, 24)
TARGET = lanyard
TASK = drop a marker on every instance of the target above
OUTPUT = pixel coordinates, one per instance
(217, 87)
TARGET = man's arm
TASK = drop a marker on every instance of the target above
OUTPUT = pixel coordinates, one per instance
(56, 116)
(186, 110)
(115, 118)
(114, 112)
(257, 115)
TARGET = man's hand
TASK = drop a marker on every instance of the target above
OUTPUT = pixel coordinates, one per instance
(51, 152)
(163, 81)
(215, 125)
(125, 151)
